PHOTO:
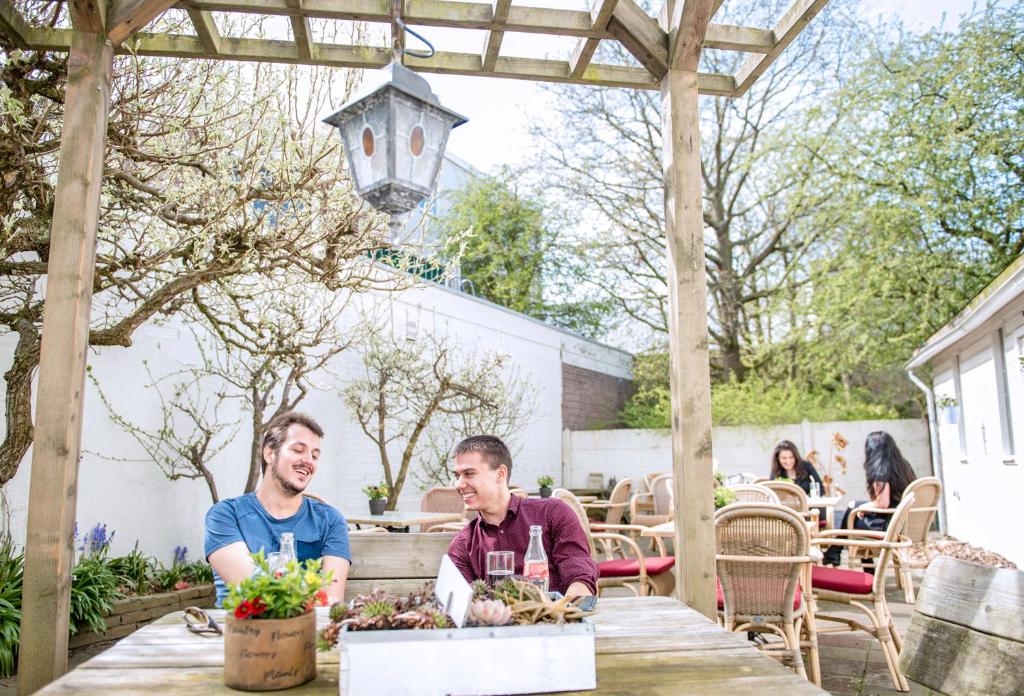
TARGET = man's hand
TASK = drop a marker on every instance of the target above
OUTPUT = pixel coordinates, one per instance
(232, 562)
(578, 589)
(336, 589)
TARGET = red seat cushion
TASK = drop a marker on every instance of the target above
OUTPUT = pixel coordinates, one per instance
(797, 598)
(841, 580)
(630, 567)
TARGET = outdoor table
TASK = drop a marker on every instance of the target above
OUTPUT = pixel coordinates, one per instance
(665, 530)
(644, 645)
(401, 521)
(829, 503)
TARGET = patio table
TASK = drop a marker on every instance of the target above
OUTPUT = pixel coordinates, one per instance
(400, 520)
(828, 502)
(648, 645)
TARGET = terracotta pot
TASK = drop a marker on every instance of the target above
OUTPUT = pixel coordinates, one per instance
(269, 654)
(377, 506)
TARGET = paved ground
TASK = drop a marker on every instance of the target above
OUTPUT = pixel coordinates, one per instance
(851, 663)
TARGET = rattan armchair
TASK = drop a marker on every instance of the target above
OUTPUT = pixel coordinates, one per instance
(660, 497)
(616, 504)
(863, 590)
(927, 491)
(754, 493)
(444, 499)
(793, 497)
(620, 561)
(762, 557)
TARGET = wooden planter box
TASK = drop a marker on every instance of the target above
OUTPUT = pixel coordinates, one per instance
(499, 660)
(132, 613)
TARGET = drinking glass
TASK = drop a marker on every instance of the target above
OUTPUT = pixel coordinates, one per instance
(500, 566)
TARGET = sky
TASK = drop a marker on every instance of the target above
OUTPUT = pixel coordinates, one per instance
(500, 110)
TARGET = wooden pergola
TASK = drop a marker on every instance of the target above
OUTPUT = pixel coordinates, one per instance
(668, 48)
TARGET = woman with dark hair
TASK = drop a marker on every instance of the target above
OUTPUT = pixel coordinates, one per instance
(888, 473)
(788, 464)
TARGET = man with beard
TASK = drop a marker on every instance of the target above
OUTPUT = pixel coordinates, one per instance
(237, 527)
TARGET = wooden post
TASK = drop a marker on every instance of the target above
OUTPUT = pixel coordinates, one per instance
(58, 428)
(688, 343)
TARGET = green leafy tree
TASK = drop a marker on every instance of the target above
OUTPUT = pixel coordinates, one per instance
(512, 253)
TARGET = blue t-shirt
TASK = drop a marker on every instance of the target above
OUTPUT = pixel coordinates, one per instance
(319, 530)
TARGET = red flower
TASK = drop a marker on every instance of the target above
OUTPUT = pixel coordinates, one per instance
(308, 605)
(258, 607)
(181, 585)
(321, 597)
(243, 610)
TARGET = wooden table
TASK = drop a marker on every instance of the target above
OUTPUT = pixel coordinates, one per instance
(644, 645)
(827, 502)
(665, 530)
(397, 519)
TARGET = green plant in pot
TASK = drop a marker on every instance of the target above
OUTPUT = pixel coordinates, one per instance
(724, 496)
(270, 629)
(378, 497)
(546, 483)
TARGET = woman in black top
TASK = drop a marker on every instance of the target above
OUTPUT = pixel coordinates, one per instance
(888, 474)
(787, 463)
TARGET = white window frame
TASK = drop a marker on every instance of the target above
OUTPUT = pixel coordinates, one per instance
(1003, 394)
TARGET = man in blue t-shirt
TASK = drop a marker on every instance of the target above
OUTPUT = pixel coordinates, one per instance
(239, 526)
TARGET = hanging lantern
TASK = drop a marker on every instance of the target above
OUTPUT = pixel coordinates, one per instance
(395, 135)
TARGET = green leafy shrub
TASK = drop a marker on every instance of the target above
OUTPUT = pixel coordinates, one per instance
(724, 496)
(165, 579)
(132, 571)
(198, 572)
(93, 589)
(12, 568)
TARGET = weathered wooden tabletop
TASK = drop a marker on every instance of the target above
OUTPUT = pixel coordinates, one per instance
(645, 645)
(400, 518)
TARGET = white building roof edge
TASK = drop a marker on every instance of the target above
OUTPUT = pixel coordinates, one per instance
(1001, 291)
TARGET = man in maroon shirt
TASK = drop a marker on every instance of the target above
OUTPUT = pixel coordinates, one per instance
(483, 465)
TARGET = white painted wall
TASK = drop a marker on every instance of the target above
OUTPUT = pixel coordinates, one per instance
(739, 449)
(984, 479)
(136, 501)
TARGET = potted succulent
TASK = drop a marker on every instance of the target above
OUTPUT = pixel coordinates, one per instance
(270, 629)
(377, 497)
(546, 483)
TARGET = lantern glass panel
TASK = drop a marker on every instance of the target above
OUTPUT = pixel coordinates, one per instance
(434, 126)
(369, 165)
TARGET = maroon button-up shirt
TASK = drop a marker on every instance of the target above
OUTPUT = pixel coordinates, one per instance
(565, 542)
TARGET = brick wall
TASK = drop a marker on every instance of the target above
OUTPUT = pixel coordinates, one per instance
(591, 400)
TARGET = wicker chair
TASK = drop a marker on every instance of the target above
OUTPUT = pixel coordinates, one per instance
(616, 504)
(660, 496)
(793, 497)
(754, 493)
(313, 496)
(620, 562)
(444, 499)
(519, 492)
(762, 558)
(862, 590)
(927, 491)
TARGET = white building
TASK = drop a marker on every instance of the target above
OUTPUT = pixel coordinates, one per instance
(977, 362)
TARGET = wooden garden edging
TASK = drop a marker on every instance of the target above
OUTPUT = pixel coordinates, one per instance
(967, 632)
(132, 613)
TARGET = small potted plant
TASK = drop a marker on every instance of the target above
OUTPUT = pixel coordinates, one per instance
(270, 629)
(724, 496)
(546, 483)
(377, 496)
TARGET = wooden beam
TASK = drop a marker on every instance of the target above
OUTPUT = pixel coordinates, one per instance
(397, 32)
(493, 47)
(13, 25)
(58, 427)
(300, 30)
(88, 15)
(690, 376)
(275, 51)
(688, 26)
(206, 29)
(129, 16)
(788, 28)
(733, 38)
(601, 14)
(640, 34)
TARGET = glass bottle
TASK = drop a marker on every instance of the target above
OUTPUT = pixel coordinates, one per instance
(535, 564)
(285, 554)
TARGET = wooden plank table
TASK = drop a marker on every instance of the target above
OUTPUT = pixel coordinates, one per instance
(399, 519)
(644, 645)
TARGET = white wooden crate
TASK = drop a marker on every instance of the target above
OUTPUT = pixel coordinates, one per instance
(463, 661)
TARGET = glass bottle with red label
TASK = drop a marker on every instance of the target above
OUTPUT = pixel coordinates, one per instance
(535, 564)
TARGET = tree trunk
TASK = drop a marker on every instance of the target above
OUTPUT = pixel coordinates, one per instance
(19, 400)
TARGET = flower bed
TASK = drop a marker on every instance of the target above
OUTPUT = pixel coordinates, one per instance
(132, 613)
